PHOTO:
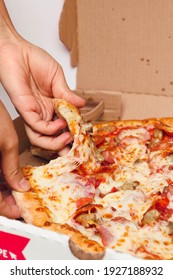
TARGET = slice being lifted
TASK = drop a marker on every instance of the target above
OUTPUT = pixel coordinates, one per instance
(57, 192)
(114, 189)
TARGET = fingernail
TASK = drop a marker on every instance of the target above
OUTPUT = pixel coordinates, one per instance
(24, 184)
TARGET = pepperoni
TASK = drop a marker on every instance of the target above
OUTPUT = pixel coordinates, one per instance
(121, 220)
(114, 189)
(98, 139)
(162, 204)
(170, 189)
(106, 132)
(165, 144)
(108, 157)
(95, 181)
(91, 208)
(83, 201)
(106, 236)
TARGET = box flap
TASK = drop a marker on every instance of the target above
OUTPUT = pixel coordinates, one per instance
(111, 103)
(68, 29)
(125, 45)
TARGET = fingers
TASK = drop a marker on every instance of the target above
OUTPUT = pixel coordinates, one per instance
(54, 143)
(61, 90)
(10, 168)
(8, 207)
(9, 153)
(42, 126)
(64, 151)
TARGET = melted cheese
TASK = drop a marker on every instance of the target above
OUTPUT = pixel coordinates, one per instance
(139, 174)
(123, 235)
(156, 240)
(60, 194)
(129, 238)
(140, 133)
(130, 153)
(127, 204)
(153, 184)
(158, 161)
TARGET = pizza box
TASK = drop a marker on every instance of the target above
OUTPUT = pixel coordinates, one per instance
(123, 49)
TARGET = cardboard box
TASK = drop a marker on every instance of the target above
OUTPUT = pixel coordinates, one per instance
(126, 47)
(123, 50)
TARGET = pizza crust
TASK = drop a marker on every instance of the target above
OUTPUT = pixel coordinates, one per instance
(80, 245)
(31, 208)
(162, 123)
(33, 212)
(85, 254)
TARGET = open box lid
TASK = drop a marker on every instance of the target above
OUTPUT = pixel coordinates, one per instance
(124, 46)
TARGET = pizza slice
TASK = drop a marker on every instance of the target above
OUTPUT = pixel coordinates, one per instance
(83, 148)
(56, 192)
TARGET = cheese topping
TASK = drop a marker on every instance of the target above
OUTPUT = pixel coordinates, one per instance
(130, 153)
(63, 194)
(128, 238)
(127, 186)
(140, 133)
(127, 204)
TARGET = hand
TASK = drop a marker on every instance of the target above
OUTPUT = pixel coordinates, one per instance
(32, 78)
(8, 207)
(9, 165)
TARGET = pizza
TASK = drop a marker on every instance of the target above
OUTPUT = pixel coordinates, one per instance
(112, 190)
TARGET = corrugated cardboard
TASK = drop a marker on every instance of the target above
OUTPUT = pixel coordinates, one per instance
(68, 31)
(111, 103)
(127, 46)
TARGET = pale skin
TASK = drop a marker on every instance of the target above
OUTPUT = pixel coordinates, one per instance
(32, 78)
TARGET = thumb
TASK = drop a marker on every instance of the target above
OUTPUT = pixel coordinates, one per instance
(61, 90)
(11, 170)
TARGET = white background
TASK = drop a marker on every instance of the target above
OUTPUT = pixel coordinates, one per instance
(38, 22)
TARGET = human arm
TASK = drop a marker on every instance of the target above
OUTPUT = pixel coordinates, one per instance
(33, 79)
(9, 165)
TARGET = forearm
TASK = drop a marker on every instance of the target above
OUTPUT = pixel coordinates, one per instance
(7, 29)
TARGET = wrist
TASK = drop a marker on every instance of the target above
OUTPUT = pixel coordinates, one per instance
(8, 34)
(7, 29)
